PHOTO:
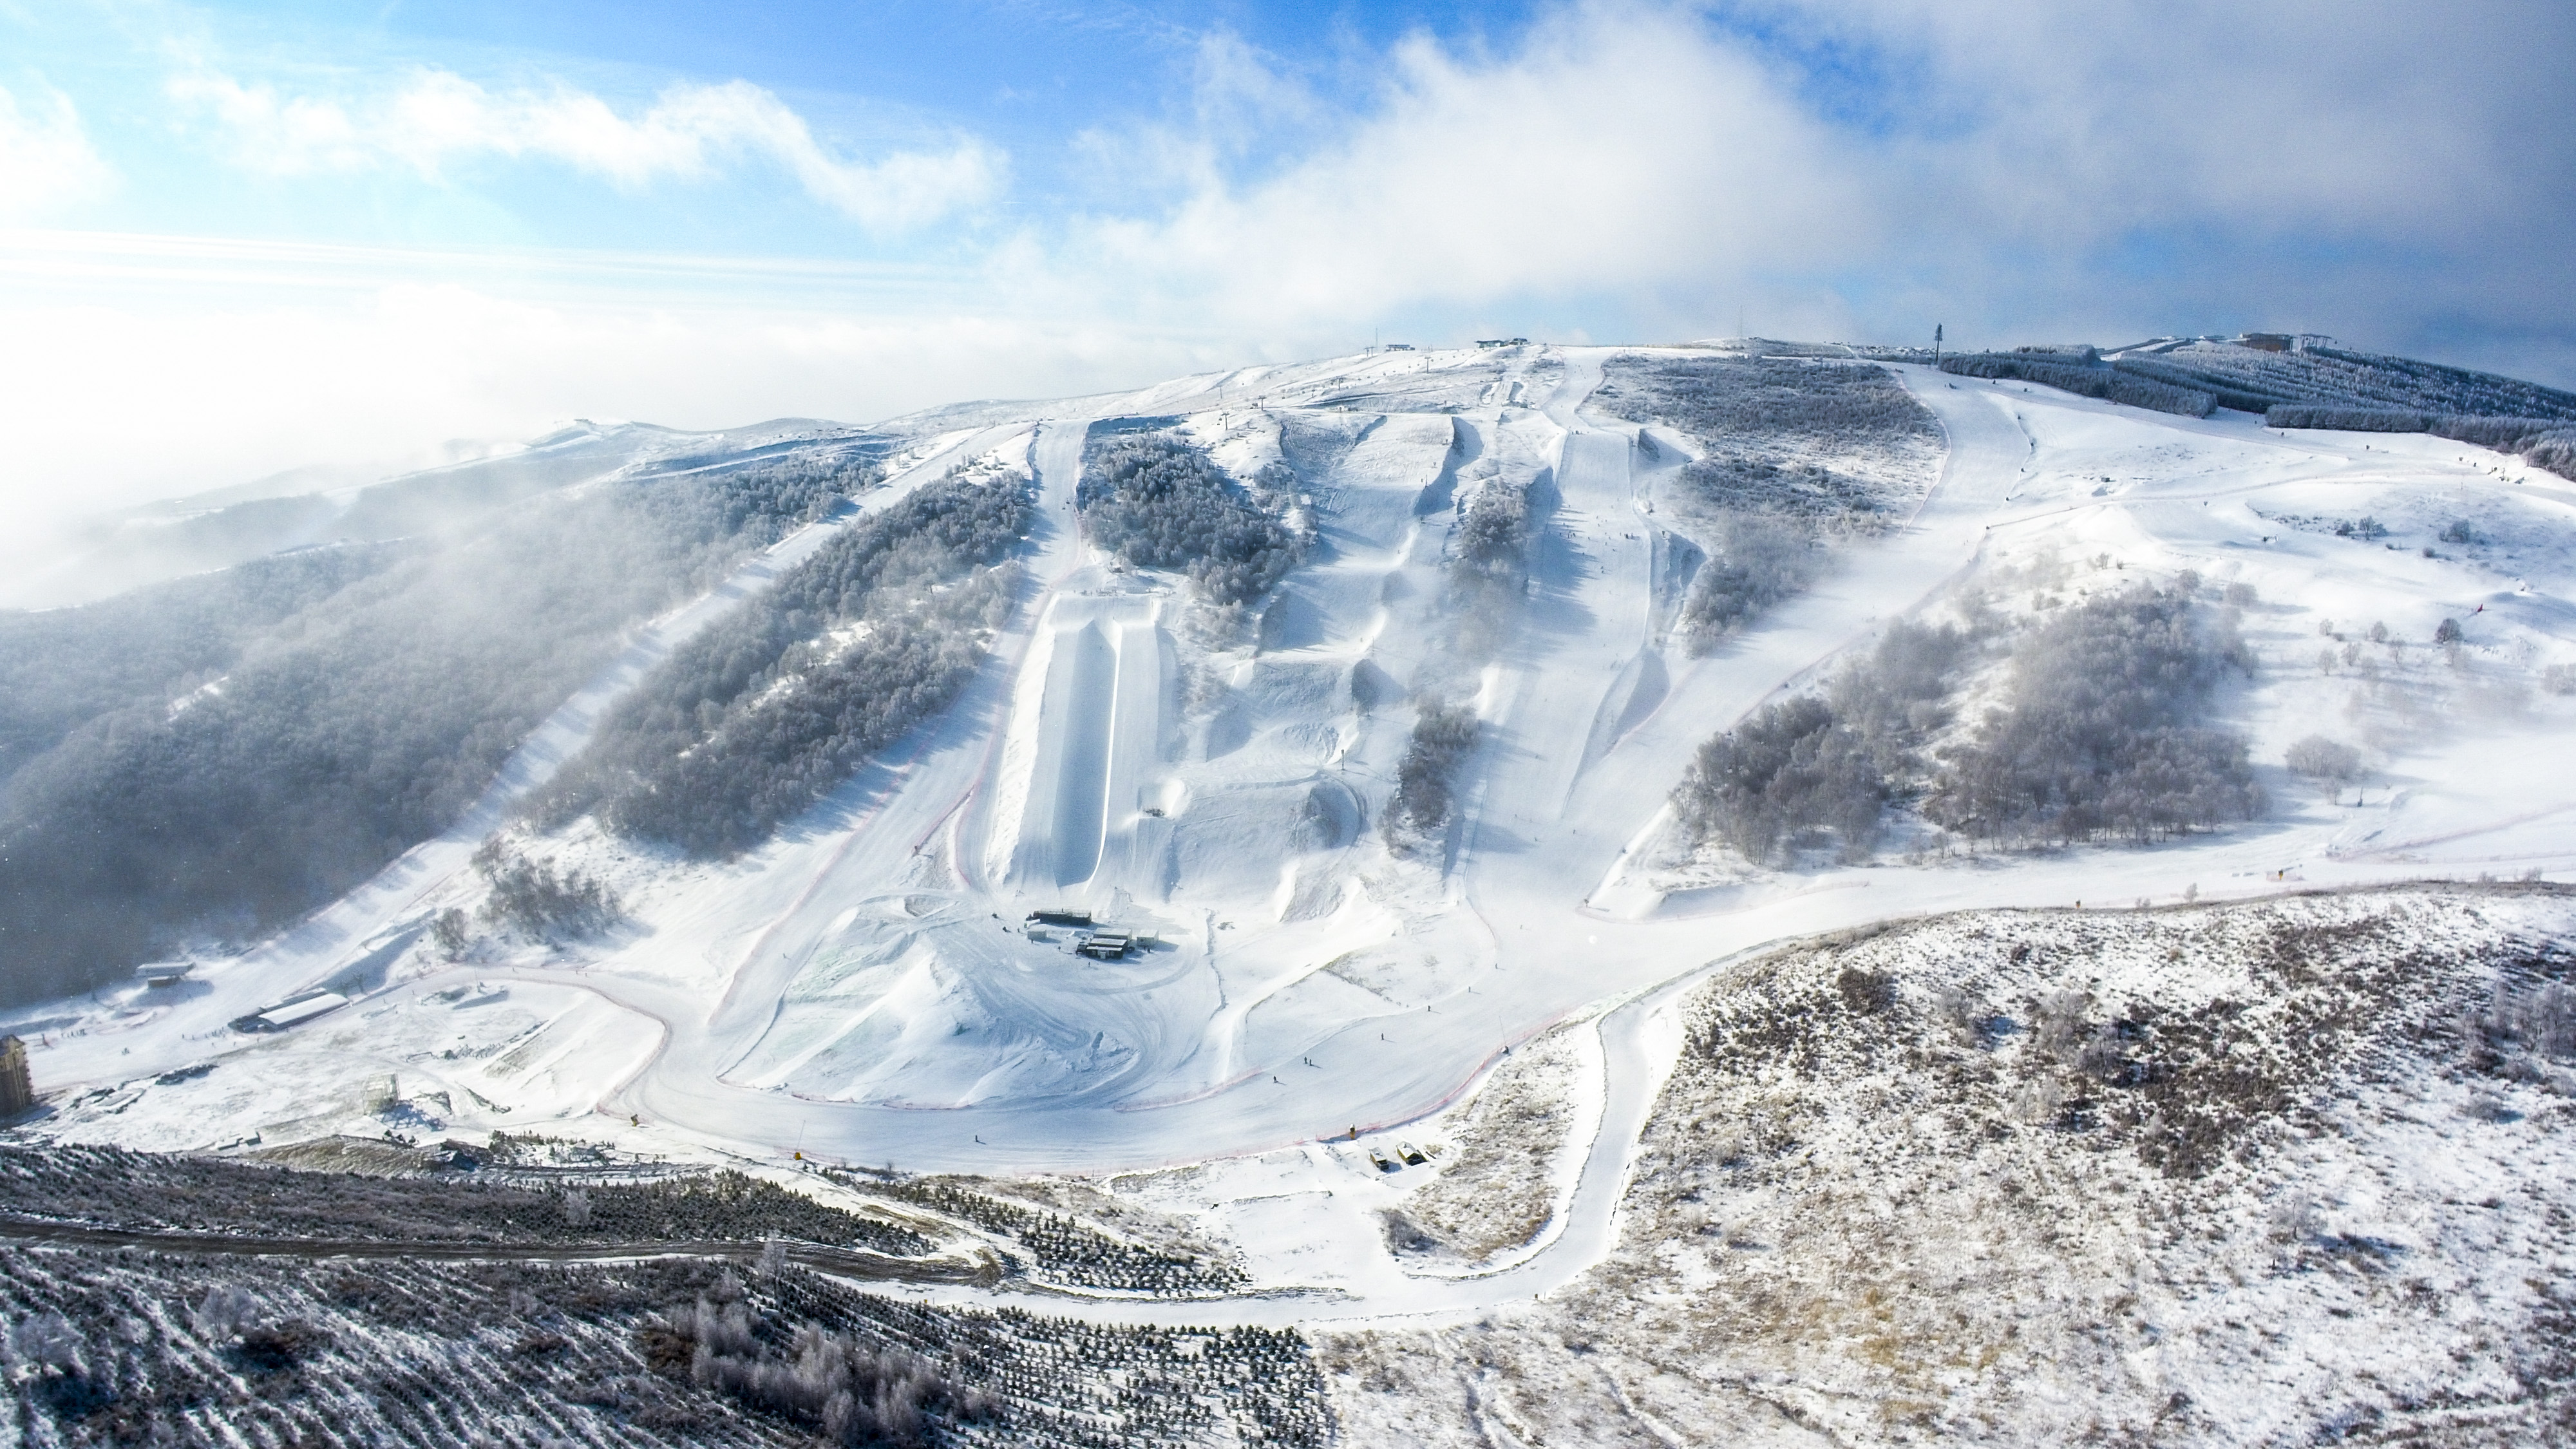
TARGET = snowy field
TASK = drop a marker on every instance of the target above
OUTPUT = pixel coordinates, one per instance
(861, 989)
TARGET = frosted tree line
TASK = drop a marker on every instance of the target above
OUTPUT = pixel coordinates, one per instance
(197, 762)
(775, 705)
(2101, 733)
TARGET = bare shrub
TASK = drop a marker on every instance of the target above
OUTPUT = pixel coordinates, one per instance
(2539, 1019)
(2488, 1107)
(1757, 560)
(1865, 993)
(47, 1341)
(2059, 1027)
(2037, 1101)
(224, 1311)
(1488, 569)
(1443, 736)
(1972, 1019)
(1811, 766)
(449, 932)
(1404, 1235)
(2296, 1217)
(2098, 737)
(278, 1348)
(528, 897)
(2320, 758)
(1157, 502)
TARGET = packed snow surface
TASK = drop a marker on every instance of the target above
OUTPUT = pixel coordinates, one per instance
(862, 988)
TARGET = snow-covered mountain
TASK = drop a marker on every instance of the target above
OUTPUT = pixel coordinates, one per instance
(1450, 729)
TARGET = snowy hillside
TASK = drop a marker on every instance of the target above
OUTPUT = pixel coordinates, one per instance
(1433, 721)
(197, 763)
(1218, 775)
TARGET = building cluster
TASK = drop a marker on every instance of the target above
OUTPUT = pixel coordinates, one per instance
(1091, 939)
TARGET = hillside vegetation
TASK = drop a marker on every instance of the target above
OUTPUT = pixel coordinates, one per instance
(1792, 454)
(761, 714)
(2283, 1172)
(2548, 443)
(1159, 503)
(62, 668)
(313, 719)
(2100, 732)
(2083, 378)
(2253, 379)
(142, 1346)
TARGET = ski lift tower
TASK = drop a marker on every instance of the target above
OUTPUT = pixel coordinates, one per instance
(1936, 344)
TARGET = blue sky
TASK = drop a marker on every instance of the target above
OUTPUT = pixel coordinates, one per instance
(293, 232)
(1030, 81)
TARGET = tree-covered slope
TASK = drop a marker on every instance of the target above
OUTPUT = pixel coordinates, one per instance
(204, 761)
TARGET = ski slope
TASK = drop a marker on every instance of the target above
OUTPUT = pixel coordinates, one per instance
(861, 990)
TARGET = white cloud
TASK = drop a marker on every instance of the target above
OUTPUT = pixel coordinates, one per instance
(2377, 169)
(164, 370)
(436, 120)
(1629, 171)
(1618, 149)
(2080, 121)
(46, 162)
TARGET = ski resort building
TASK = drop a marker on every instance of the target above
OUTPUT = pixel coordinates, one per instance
(290, 1013)
(17, 1089)
(1107, 945)
(164, 973)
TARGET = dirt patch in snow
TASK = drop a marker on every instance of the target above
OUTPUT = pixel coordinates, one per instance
(1500, 1187)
